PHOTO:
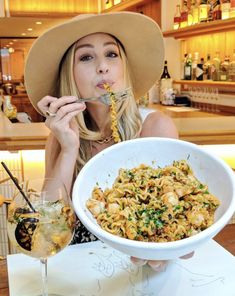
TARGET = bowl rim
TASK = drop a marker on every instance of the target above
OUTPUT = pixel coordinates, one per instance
(210, 232)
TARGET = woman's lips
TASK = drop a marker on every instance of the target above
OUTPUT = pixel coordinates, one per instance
(101, 83)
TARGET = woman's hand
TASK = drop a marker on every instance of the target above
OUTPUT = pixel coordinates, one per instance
(60, 113)
(157, 265)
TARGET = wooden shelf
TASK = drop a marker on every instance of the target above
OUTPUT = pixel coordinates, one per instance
(202, 29)
(223, 87)
(206, 83)
(125, 5)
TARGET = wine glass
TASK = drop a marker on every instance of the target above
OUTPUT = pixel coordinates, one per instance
(41, 221)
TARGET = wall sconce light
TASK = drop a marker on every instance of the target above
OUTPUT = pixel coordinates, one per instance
(11, 50)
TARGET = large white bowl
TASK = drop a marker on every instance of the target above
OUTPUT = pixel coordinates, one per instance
(103, 168)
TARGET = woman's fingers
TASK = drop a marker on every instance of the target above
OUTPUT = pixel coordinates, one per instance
(51, 106)
(187, 256)
(56, 105)
(138, 261)
(158, 265)
(69, 108)
(45, 102)
(65, 113)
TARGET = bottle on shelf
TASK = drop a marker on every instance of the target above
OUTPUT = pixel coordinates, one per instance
(232, 9)
(203, 11)
(224, 69)
(195, 61)
(177, 18)
(199, 70)
(184, 14)
(188, 68)
(216, 10)
(225, 9)
(190, 12)
(231, 71)
(195, 11)
(207, 68)
(210, 4)
(215, 67)
(167, 95)
(8, 108)
(183, 63)
(165, 73)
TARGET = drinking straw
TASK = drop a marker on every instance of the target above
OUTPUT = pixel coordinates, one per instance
(18, 186)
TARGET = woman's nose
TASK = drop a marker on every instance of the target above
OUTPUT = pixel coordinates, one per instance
(102, 68)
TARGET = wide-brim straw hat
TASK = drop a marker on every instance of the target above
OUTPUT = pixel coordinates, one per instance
(140, 36)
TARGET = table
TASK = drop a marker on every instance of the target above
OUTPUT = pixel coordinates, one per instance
(225, 238)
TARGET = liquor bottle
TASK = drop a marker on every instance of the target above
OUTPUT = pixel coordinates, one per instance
(215, 67)
(166, 91)
(199, 70)
(188, 68)
(210, 4)
(183, 63)
(231, 71)
(177, 18)
(232, 9)
(190, 12)
(207, 68)
(225, 9)
(195, 10)
(184, 14)
(224, 69)
(216, 10)
(8, 108)
(194, 65)
(165, 73)
(203, 11)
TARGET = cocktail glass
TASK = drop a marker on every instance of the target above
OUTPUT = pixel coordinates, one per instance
(43, 226)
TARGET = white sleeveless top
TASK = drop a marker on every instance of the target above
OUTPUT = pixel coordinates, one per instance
(144, 112)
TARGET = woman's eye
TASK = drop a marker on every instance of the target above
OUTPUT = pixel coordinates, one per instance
(85, 58)
(112, 54)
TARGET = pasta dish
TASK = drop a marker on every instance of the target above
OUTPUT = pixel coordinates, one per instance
(154, 204)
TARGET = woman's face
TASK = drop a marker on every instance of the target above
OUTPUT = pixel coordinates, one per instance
(98, 61)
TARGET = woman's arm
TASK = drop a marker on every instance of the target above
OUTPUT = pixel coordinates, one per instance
(64, 142)
(60, 164)
(157, 124)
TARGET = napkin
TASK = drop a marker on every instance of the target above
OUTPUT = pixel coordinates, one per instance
(95, 269)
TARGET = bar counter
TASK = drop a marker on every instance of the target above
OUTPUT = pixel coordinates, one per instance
(22, 136)
(199, 127)
(193, 126)
(225, 238)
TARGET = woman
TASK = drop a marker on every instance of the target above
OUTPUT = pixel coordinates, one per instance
(88, 53)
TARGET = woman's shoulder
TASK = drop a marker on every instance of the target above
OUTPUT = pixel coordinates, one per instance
(158, 124)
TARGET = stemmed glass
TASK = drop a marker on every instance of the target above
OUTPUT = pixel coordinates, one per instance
(42, 225)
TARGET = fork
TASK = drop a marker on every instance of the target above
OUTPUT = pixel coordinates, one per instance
(105, 98)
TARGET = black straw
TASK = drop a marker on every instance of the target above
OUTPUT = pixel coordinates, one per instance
(18, 186)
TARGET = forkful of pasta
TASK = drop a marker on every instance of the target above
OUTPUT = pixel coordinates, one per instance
(107, 97)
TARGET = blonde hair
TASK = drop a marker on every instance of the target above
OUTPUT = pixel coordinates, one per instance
(128, 116)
